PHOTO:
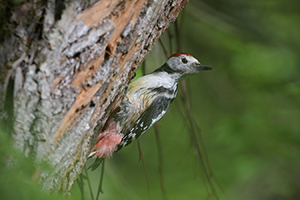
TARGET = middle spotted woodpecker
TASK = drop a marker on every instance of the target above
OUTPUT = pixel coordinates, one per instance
(144, 102)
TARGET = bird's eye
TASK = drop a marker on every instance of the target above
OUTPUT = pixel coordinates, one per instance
(184, 60)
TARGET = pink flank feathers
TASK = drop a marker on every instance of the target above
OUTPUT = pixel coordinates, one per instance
(107, 141)
(106, 144)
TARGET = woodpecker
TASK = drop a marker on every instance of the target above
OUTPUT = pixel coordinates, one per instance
(144, 102)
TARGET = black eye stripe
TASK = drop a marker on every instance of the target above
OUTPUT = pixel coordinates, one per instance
(184, 60)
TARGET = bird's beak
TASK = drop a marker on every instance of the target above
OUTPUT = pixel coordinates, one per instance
(202, 67)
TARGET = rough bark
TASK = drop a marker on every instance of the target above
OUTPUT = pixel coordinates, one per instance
(62, 68)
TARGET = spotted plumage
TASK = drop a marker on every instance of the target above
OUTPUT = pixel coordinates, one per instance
(144, 102)
(151, 115)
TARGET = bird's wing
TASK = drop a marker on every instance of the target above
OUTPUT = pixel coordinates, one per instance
(151, 115)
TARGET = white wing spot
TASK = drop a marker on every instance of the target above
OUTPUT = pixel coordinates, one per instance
(132, 135)
(158, 117)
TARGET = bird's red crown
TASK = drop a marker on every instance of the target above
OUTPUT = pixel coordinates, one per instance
(179, 54)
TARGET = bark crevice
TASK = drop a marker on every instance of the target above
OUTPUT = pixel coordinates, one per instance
(63, 68)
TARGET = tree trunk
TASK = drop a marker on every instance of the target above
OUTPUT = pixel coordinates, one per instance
(63, 65)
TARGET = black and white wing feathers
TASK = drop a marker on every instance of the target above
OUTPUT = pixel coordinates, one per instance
(148, 118)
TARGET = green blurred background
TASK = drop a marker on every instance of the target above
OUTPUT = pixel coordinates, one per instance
(248, 109)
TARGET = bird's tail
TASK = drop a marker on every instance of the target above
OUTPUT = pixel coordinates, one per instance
(96, 164)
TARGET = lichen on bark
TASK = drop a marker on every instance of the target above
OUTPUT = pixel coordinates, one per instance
(68, 68)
